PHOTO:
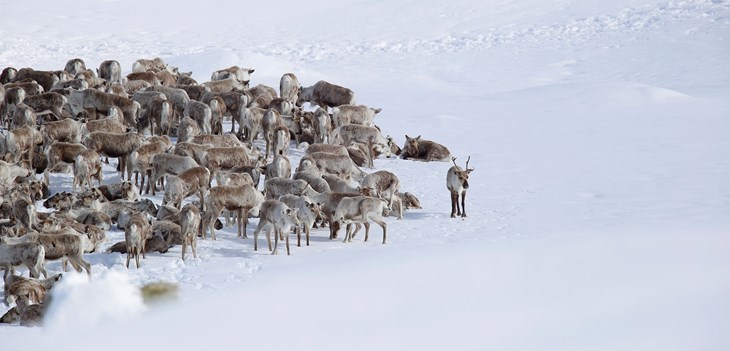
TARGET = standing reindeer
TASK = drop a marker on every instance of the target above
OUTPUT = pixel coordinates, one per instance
(457, 180)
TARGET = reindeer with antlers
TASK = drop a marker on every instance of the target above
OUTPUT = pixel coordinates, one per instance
(457, 180)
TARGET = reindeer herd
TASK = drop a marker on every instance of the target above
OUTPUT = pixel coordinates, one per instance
(166, 132)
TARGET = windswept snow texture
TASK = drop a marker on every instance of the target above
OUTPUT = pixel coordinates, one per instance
(599, 208)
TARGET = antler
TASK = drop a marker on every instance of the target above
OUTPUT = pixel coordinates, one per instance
(453, 159)
(467, 163)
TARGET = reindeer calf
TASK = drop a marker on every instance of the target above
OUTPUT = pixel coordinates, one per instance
(280, 217)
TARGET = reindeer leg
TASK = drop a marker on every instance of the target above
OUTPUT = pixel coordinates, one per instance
(463, 209)
(370, 155)
(239, 215)
(184, 247)
(212, 228)
(287, 242)
(256, 235)
(136, 256)
(454, 202)
(245, 223)
(299, 236)
(379, 220)
(194, 246)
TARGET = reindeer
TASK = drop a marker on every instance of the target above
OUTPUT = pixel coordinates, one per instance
(280, 218)
(422, 149)
(242, 199)
(457, 181)
(135, 234)
(189, 224)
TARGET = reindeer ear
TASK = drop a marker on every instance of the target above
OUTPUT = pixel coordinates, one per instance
(418, 137)
(407, 137)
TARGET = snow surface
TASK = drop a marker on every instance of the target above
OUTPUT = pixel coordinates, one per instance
(598, 208)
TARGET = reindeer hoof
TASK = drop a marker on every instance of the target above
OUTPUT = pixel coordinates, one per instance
(453, 215)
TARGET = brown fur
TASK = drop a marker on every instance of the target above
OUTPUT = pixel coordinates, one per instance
(329, 201)
(152, 244)
(331, 164)
(289, 87)
(119, 191)
(30, 88)
(225, 158)
(360, 210)
(32, 255)
(314, 180)
(110, 70)
(46, 79)
(225, 140)
(192, 181)
(369, 136)
(67, 130)
(8, 75)
(189, 224)
(225, 85)
(12, 97)
(108, 124)
(457, 181)
(136, 233)
(239, 73)
(169, 164)
(75, 66)
(425, 150)
(201, 113)
(236, 102)
(168, 230)
(325, 95)
(57, 246)
(114, 145)
(142, 65)
(139, 161)
(23, 115)
(195, 92)
(218, 110)
(166, 78)
(98, 101)
(178, 98)
(90, 77)
(196, 151)
(353, 114)
(240, 199)
(381, 183)
(87, 165)
(51, 101)
(20, 143)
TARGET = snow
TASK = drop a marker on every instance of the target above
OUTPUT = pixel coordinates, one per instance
(598, 208)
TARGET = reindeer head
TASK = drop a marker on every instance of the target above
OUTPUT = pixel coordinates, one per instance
(462, 174)
(411, 146)
(291, 214)
(315, 207)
